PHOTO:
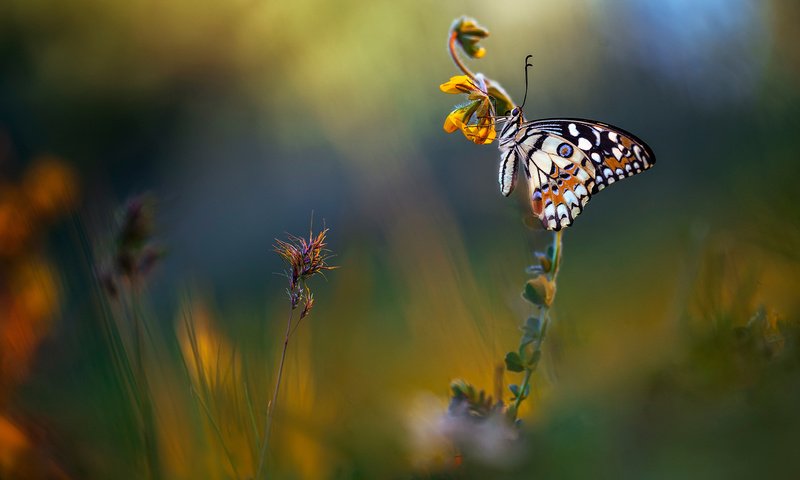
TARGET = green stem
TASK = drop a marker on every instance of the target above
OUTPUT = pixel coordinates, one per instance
(146, 405)
(451, 45)
(271, 406)
(544, 319)
(556, 254)
(525, 382)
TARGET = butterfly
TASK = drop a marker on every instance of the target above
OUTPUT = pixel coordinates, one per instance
(566, 161)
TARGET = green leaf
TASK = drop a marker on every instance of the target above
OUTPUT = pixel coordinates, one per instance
(514, 390)
(531, 331)
(545, 262)
(502, 101)
(514, 362)
(539, 291)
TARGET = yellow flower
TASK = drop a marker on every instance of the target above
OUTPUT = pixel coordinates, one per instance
(467, 32)
(479, 107)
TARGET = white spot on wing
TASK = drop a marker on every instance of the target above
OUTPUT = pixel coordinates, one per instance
(570, 197)
(584, 144)
(562, 211)
(613, 137)
(549, 211)
(637, 151)
(573, 130)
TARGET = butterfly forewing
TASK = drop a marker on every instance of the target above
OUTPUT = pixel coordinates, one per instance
(615, 153)
(566, 161)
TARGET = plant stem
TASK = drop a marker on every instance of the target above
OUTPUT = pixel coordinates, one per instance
(451, 44)
(523, 386)
(556, 254)
(544, 319)
(145, 405)
(271, 406)
(537, 352)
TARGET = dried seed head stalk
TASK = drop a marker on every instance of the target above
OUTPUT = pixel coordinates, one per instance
(306, 258)
(135, 254)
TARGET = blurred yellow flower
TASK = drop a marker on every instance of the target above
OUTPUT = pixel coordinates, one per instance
(467, 32)
(481, 130)
(209, 356)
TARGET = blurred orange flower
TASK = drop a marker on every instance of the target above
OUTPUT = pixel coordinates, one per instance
(50, 186)
(28, 284)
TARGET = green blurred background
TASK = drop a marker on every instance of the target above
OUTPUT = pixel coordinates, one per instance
(244, 117)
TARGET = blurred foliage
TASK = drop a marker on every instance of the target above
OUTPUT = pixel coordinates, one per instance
(29, 299)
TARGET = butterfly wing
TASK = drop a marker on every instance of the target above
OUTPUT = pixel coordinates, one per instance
(615, 153)
(568, 160)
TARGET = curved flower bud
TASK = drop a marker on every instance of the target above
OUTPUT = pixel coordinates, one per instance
(468, 33)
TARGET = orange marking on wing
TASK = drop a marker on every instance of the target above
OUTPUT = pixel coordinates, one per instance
(570, 183)
(613, 163)
(537, 204)
(557, 198)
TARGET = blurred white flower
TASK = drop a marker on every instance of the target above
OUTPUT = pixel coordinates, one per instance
(440, 435)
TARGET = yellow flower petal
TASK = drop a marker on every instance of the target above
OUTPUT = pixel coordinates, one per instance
(469, 26)
(458, 117)
(451, 124)
(480, 134)
(458, 84)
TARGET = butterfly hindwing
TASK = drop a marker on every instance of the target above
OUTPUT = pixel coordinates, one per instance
(560, 177)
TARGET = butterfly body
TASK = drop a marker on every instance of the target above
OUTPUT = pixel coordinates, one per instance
(566, 161)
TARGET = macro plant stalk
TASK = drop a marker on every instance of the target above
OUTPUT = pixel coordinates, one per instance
(536, 327)
(305, 259)
(271, 406)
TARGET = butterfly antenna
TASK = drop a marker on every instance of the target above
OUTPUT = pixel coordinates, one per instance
(525, 98)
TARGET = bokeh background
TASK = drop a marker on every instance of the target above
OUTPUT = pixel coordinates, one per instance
(246, 118)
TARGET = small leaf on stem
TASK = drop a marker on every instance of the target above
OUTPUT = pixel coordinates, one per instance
(514, 362)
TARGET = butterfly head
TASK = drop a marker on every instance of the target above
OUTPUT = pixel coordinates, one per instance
(513, 120)
(516, 115)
